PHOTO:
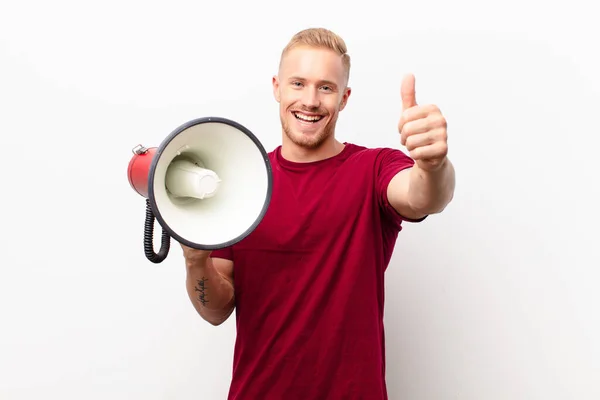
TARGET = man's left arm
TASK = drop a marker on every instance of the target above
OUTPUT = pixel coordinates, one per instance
(428, 186)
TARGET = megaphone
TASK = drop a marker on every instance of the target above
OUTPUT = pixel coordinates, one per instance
(208, 185)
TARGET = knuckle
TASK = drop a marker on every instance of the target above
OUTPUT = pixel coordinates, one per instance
(442, 121)
(438, 121)
(443, 149)
(434, 121)
(441, 134)
(430, 108)
(407, 128)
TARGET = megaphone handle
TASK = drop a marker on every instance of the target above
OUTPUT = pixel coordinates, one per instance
(149, 241)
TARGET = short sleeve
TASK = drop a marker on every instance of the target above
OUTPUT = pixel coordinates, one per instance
(226, 253)
(388, 163)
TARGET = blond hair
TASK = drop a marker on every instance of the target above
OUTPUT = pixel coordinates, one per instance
(320, 38)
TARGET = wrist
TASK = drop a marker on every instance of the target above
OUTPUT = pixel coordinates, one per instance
(432, 169)
(196, 263)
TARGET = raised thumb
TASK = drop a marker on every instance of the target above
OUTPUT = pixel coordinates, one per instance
(407, 91)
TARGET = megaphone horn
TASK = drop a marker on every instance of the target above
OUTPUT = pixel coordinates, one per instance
(208, 185)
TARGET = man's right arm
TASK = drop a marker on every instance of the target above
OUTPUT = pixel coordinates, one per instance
(209, 284)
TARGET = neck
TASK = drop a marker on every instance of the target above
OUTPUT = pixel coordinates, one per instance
(292, 152)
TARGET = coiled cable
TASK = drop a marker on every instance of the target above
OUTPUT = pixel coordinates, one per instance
(149, 238)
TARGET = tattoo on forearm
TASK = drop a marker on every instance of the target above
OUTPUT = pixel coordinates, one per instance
(201, 288)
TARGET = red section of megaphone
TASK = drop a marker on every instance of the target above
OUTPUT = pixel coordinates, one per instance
(139, 168)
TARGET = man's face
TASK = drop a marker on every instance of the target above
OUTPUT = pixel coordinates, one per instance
(311, 91)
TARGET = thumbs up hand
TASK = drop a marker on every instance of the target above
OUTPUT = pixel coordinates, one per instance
(422, 129)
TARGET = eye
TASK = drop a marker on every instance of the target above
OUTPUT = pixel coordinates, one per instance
(296, 83)
(326, 88)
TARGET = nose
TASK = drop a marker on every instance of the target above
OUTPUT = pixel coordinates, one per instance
(310, 98)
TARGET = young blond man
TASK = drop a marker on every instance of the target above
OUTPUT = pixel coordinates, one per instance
(308, 284)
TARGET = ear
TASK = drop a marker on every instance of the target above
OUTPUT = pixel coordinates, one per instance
(345, 97)
(276, 88)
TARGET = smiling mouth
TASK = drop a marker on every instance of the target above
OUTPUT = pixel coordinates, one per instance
(307, 118)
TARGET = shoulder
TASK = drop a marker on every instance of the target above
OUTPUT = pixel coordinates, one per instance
(379, 156)
(383, 162)
(273, 153)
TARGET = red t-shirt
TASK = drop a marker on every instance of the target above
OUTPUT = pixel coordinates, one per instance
(309, 280)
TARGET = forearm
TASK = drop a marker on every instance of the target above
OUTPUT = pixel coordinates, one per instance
(429, 192)
(210, 292)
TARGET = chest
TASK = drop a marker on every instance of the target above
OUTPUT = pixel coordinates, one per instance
(313, 209)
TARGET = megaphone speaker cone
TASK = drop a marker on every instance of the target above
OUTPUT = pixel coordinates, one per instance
(209, 183)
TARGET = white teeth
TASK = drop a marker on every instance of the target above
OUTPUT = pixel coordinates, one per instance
(307, 118)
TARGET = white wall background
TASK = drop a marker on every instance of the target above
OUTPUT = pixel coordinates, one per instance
(495, 299)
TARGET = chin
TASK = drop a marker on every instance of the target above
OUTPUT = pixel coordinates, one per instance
(307, 130)
(307, 139)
